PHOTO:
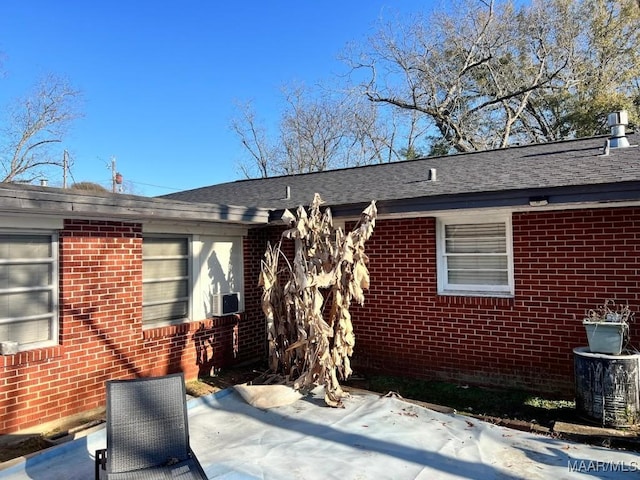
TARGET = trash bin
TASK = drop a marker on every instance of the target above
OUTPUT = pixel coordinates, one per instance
(607, 387)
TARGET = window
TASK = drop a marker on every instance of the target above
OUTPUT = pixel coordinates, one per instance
(475, 256)
(165, 279)
(29, 289)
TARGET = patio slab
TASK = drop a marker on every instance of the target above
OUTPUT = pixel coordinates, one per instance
(373, 437)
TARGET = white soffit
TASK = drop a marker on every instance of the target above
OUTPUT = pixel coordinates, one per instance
(31, 222)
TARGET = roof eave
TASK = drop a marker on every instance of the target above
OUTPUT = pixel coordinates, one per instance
(520, 199)
(122, 207)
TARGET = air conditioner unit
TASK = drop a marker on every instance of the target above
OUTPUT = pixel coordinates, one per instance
(225, 304)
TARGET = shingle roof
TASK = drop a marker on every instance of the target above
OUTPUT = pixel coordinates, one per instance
(537, 167)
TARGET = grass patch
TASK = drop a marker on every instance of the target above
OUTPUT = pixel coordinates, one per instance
(503, 403)
(199, 388)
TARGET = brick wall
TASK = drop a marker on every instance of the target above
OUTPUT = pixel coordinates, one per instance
(565, 263)
(253, 331)
(101, 335)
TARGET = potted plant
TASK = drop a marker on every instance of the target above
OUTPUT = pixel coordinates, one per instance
(608, 327)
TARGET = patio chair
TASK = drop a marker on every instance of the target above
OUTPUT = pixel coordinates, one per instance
(147, 431)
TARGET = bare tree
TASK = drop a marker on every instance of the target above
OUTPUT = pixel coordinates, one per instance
(607, 65)
(35, 123)
(254, 139)
(313, 132)
(323, 129)
(491, 73)
(484, 75)
(470, 73)
(380, 136)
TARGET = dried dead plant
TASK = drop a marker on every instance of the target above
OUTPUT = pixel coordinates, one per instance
(610, 312)
(328, 269)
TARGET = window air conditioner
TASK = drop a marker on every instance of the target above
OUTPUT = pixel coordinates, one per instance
(225, 304)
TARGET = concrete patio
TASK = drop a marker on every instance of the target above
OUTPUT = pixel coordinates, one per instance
(373, 437)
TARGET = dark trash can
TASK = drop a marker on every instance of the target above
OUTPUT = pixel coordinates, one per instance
(607, 387)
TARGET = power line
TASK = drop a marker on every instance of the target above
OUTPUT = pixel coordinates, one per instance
(111, 165)
(157, 186)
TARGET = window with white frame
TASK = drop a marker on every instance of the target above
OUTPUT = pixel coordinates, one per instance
(29, 289)
(166, 279)
(475, 256)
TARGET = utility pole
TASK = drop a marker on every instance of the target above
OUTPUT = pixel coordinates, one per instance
(113, 174)
(116, 177)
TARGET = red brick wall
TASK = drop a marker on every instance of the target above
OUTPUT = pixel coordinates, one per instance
(253, 331)
(101, 335)
(565, 262)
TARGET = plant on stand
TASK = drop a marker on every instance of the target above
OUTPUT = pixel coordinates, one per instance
(608, 327)
(607, 373)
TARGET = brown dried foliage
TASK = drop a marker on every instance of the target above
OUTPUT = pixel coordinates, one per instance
(306, 300)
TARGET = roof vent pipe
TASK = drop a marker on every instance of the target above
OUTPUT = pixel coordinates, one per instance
(432, 175)
(287, 193)
(618, 121)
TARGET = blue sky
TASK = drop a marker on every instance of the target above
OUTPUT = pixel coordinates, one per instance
(161, 79)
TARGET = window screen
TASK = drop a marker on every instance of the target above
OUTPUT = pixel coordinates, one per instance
(28, 289)
(475, 257)
(166, 279)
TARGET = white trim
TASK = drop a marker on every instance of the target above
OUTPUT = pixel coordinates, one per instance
(194, 229)
(473, 290)
(505, 210)
(340, 223)
(31, 222)
(195, 308)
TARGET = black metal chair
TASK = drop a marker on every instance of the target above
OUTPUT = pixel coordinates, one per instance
(147, 431)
